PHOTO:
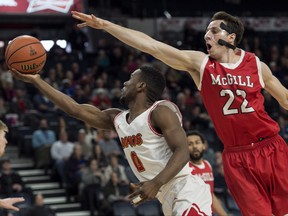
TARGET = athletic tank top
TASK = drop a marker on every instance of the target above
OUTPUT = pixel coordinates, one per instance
(146, 150)
(204, 171)
(232, 96)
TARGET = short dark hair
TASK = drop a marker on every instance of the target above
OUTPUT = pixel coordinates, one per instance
(154, 80)
(232, 22)
(196, 133)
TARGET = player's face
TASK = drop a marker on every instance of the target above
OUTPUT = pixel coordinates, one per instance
(212, 35)
(128, 92)
(196, 147)
(3, 142)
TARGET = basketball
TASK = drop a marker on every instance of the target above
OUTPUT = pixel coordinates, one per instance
(26, 54)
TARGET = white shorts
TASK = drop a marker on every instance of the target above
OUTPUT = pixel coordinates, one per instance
(185, 196)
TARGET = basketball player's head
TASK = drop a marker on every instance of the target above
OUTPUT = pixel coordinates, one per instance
(3, 140)
(196, 145)
(229, 24)
(145, 80)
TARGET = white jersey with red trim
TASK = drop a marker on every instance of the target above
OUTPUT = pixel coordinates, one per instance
(146, 150)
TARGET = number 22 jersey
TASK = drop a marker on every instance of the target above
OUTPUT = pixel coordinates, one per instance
(232, 96)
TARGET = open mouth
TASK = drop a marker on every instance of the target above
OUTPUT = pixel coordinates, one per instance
(208, 46)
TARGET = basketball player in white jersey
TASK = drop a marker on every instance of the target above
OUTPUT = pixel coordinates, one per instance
(152, 137)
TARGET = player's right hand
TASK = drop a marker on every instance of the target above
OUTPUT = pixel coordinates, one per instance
(88, 20)
(23, 77)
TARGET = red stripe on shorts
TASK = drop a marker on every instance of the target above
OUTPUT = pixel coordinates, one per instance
(193, 211)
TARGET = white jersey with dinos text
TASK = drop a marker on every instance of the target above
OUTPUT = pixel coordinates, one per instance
(146, 150)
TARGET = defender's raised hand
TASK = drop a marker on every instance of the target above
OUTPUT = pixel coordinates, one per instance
(88, 20)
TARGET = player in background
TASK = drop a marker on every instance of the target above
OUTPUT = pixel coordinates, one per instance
(152, 138)
(202, 167)
(7, 203)
(230, 81)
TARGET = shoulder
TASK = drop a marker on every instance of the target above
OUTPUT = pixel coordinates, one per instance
(207, 164)
(166, 106)
(165, 109)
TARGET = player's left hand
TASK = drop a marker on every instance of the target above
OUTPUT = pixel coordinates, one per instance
(145, 190)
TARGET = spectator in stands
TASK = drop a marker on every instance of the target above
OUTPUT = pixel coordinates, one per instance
(42, 140)
(109, 145)
(80, 95)
(60, 152)
(102, 59)
(114, 191)
(91, 135)
(101, 98)
(67, 88)
(90, 188)
(98, 155)
(115, 167)
(11, 184)
(21, 103)
(7, 90)
(3, 108)
(77, 39)
(39, 208)
(87, 147)
(43, 104)
(74, 166)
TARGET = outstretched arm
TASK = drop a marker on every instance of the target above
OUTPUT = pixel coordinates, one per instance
(274, 87)
(84, 112)
(189, 61)
(8, 203)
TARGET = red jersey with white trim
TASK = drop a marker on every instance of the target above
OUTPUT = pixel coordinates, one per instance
(232, 96)
(204, 171)
(147, 151)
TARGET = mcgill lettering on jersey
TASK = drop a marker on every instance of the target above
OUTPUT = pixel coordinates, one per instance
(234, 86)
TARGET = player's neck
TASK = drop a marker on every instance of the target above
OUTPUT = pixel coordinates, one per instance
(198, 162)
(232, 56)
(137, 107)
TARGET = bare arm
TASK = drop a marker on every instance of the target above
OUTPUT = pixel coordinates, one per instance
(189, 61)
(84, 112)
(217, 206)
(274, 87)
(167, 121)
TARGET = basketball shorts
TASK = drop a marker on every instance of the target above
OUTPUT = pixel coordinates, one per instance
(257, 176)
(186, 196)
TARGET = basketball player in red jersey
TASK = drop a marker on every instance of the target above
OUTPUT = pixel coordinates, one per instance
(201, 167)
(152, 138)
(230, 81)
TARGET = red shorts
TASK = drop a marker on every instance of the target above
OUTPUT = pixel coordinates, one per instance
(257, 176)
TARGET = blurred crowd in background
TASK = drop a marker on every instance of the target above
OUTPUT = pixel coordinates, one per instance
(75, 150)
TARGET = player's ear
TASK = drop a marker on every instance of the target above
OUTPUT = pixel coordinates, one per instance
(141, 85)
(232, 37)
